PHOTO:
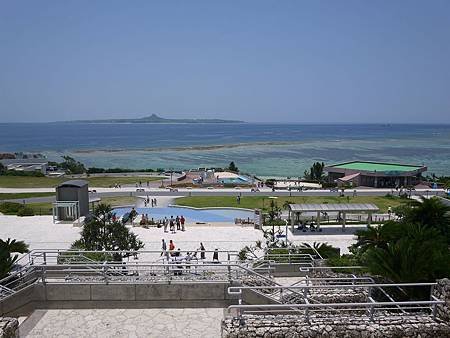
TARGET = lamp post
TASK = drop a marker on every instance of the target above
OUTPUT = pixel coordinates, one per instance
(272, 216)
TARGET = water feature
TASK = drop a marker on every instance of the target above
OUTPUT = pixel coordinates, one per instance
(191, 215)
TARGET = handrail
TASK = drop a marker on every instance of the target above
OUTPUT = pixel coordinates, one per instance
(344, 305)
(334, 286)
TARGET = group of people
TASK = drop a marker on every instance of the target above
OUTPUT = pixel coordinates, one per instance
(171, 253)
(139, 184)
(152, 201)
(178, 222)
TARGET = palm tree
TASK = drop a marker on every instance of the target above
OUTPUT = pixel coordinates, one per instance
(376, 236)
(7, 260)
(430, 212)
(286, 204)
(420, 255)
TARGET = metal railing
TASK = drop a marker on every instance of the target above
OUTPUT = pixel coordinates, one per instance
(309, 306)
(42, 257)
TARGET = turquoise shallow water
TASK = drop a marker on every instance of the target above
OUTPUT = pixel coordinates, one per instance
(261, 149)
(191, 215)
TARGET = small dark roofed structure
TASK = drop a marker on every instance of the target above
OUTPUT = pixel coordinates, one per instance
(74, 183)
(72, 200)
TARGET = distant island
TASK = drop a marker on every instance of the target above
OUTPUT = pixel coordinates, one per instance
(157, 119)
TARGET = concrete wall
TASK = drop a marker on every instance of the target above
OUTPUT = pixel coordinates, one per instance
(51, 295)
(288, 270)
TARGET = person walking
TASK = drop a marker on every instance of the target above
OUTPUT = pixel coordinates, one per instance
(177, 221)
(182, 220)
(216, 256)
(172, 225)
(166, 223)
(163, 247)
(156, 202)
(188, 259)
(202, 251)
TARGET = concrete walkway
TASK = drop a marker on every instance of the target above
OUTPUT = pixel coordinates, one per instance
(170, 323)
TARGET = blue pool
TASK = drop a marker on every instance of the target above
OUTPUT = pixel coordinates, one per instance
(191, 215)
(235, 180)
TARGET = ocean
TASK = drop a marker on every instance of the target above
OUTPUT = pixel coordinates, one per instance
(258, 148)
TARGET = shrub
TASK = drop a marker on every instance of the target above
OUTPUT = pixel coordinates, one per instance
(25, 211)
(23, 173)
(10, 208)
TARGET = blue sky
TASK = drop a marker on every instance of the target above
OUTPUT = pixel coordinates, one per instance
(301, 61)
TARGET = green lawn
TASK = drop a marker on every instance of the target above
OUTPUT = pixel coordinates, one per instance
(50, 182)
(45, 208)
(12, 196)
(42, 208)
(253, 202)
(118, 200)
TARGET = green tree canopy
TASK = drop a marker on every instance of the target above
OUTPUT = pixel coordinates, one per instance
(103, 232)
(429, 212)
(315, 172)
(71, 166)
(414, 248)
(9, 251)
(232, 167)
(419, 255)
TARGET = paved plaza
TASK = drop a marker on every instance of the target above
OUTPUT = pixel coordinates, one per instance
(40, 233)
(105, 323)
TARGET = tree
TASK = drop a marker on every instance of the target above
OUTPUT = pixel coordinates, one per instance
(286, 204)
(413, 249)
(315, 172)
(7, 260)
(232, 167)
(429, 212)
(2, 168)
(273, 213)
(375, 237)
(71, 166)
(419, 255)
(104, 232)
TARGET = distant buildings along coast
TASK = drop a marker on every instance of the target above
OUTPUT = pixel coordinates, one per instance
(375, 174)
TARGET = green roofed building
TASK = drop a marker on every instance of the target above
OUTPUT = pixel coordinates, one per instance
(374, 174)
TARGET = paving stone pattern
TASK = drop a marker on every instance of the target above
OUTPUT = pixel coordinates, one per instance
(168, 323)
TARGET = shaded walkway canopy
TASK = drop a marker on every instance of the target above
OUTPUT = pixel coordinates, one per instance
(342, 208)
(326, 207)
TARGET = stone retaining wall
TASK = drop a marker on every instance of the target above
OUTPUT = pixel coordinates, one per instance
(9, 327)
(357, 295)
(442, 292)
(270, 326)
(345, 325)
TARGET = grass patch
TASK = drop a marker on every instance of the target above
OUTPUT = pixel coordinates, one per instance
(13, 196)
(257, 202)
(29, 209)
(51, 182)
(118, 200)
(45, 208)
